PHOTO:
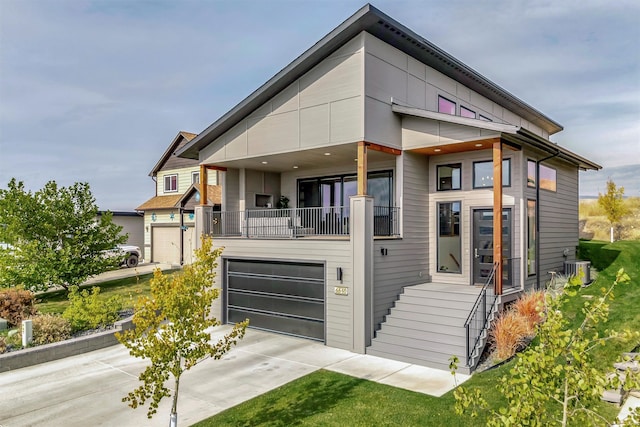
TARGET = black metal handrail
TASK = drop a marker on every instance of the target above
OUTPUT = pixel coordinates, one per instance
(486, 302)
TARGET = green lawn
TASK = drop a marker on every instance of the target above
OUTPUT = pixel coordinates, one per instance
(332, 399)
(128, 288)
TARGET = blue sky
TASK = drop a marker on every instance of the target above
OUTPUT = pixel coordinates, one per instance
(96, 90)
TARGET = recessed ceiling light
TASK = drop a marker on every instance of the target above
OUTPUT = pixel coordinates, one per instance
(437, 150)
(327, 154)
(355, 160)
(264, 163)
(478, 145)
(295, 167)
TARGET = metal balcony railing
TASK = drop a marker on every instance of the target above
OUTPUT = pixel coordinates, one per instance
(299, 222)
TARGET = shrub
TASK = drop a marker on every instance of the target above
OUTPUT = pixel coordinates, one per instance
(87, 310)
(16, 304)
(531, 307)
(509, 333)
(48, 328)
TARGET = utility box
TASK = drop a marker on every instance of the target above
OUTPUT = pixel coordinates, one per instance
(27, 332)
(581, 269)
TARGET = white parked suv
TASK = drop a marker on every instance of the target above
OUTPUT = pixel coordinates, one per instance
(131, 255)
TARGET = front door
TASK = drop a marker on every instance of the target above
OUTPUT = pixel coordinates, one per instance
(483, 245)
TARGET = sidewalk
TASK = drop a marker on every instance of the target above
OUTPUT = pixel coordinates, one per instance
(123, 272)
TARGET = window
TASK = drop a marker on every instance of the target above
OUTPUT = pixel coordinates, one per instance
(465, 112)
(449, 243)
(446, 106)
(483, 174)
(195, 177)
(531, 173)
(170, 183)
(449, 177)
(548, 178)
(335, 191)
(531, 237)
(486, 119)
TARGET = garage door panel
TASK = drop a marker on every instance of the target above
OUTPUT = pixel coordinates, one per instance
(304, 270)
(276, 286)
(293, 326)
(286, 297)
(275, 304)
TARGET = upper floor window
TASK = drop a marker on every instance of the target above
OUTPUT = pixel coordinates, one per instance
(548, 178)
(531, 173)
(483, 174)
(449, 177)
(195, 177)
(465, 112)
(446, 106)
(486, 119)
(170, 183)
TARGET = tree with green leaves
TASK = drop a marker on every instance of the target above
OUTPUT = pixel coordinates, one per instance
(173, 329)
(55, 236)
(613, 204)
(556, 380)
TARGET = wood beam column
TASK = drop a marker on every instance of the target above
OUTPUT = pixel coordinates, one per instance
(362, 168)
(497, 214)
(203, 185)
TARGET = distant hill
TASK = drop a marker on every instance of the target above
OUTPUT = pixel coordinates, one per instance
(595, 226)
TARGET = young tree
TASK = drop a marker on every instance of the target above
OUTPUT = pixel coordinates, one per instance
(55, 236)
(613, 204)
(556, 380)
(172, 329)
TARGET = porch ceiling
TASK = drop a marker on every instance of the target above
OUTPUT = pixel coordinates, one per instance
(460, 147)
(331, 156)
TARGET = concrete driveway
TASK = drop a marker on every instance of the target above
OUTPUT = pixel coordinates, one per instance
(86, 390)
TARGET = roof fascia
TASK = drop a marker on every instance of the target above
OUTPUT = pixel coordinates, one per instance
(372, 20)
(553, 148)
(170, 149)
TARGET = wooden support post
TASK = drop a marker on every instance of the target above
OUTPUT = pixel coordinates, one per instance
(497, 214)
(362, 168)
(203, 185)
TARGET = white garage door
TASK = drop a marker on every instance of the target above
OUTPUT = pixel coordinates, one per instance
(165, 245)
(190, 243)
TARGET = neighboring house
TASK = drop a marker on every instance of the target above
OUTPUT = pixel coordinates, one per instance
(132, 224)
(387, 149)
(169, 233)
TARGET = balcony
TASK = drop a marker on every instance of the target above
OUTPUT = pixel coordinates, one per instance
(299, 222)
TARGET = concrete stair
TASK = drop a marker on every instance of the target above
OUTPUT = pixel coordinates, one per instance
(426, 326)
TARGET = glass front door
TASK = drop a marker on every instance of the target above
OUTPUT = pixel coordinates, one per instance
(483, 246)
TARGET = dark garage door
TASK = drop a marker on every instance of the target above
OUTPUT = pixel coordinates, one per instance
(286, 297)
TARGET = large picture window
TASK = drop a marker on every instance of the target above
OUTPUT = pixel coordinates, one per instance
(531, 237)
(449, 242)
(449, 177)
(483, 174)
(170, 183)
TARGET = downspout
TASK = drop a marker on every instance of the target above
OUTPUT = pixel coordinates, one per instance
(181, 211)
(538, 216)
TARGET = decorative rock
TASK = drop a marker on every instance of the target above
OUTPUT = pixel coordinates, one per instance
(613, 396)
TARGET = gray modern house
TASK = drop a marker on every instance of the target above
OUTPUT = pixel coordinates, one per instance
(381, 196)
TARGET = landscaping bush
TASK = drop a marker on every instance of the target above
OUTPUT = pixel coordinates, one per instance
(87, 310)
(16, 304)
(509, 333)
(531, 307)
(49, 328)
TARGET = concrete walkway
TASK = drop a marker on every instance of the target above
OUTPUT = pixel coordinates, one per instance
(87, 389)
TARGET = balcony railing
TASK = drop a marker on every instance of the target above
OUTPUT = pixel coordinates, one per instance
(299, 222)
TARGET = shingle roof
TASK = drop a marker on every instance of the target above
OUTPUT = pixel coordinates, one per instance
(214, 197)
(172, 148)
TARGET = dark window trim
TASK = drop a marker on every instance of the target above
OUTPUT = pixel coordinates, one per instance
(459, 235)
(459, 165)
(475, 115)
(535, 178)
(556, 180)
(473, 172)
(484, 118)
(535, 236)
(455, 105)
